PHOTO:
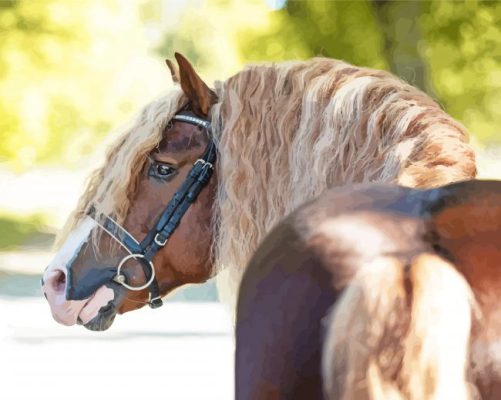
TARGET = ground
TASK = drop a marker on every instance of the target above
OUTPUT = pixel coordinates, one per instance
(181, 351)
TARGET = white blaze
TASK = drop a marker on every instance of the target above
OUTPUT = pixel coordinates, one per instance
(72, 245)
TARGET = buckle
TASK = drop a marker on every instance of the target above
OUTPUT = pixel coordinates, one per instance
(204, 163)
(158, 241)
(156, 302)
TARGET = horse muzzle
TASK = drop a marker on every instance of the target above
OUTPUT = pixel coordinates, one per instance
(70, 305)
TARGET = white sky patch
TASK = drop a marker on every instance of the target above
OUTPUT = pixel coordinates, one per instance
(276, 4)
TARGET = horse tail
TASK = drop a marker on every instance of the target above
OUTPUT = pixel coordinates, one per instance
(400, 331)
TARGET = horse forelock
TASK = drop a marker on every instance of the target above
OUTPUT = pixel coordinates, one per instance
(112, 186)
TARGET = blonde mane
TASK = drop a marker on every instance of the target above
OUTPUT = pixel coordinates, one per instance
(286, 132)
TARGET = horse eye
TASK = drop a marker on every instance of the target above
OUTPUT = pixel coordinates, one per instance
(165, 170)
(161, 170)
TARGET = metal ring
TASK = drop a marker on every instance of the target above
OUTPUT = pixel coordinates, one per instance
(123, 283)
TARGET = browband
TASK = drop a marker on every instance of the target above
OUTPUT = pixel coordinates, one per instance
(192, 120)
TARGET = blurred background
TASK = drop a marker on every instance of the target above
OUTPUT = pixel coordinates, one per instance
(73, 71)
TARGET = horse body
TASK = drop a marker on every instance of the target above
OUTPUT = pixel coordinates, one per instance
(289, 345)
(391, 289)
(292, 281)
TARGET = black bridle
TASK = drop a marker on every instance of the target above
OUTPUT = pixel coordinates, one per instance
(144, 251)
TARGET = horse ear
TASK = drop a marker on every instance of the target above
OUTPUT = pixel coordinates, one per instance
(174, 71)
(201, 96)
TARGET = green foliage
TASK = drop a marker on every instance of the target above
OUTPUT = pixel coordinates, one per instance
(207, 33)
(343, 30)
(69, 71)
(464, 55)
(402, 37)
(56, 58)
(18, 231)
(28, 30)
(448, 48)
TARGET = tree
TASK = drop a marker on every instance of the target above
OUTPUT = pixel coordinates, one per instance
(399, 25)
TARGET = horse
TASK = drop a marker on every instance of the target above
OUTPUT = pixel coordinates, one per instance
(202, 174)
(376, 291)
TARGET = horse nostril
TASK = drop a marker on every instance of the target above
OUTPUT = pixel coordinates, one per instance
(61, 282)
(58, 281)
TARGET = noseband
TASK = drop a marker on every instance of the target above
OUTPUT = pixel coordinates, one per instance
(144, 251)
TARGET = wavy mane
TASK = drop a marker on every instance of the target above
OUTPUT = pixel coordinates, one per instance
(290, 130)
(285, 133)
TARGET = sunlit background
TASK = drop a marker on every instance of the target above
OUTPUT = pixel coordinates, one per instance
(73, 71)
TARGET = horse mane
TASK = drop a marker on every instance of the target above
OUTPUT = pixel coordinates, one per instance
(286, 132)
(290, 130)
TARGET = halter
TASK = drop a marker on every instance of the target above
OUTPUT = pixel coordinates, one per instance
(144, 251)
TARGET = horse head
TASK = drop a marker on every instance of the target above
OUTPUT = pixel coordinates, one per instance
(109, 265)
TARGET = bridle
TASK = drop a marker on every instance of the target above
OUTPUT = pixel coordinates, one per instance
(157, 237)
